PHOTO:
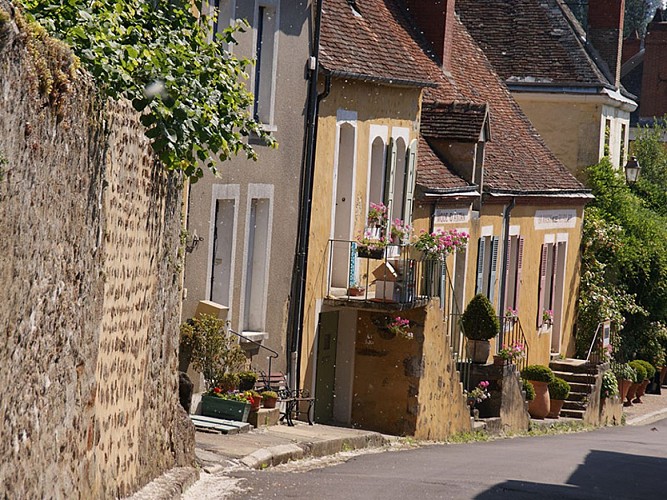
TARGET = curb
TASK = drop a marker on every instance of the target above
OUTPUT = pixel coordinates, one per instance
(276, 455)
(169, 486)
(649, 418)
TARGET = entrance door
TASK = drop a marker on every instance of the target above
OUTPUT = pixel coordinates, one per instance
(327, 339)
(343, 206)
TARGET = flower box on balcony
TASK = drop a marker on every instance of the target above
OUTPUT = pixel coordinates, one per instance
(370, 253)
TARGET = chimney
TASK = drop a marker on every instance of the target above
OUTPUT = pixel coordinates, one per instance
(605, 33)
(653, 99)
(435, 19)
(631, 46)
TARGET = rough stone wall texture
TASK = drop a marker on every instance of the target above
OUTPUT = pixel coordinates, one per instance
(89, 302)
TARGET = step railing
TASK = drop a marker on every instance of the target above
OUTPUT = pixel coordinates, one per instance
(511, 333)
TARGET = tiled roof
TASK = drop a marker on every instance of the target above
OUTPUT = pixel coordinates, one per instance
(456, 121)
(368, 43)
(432, 172)
(531, 41)
(517, 159)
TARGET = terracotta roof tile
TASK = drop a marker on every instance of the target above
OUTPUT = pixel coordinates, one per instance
(432, 171)
(531, 41)
(456, 121)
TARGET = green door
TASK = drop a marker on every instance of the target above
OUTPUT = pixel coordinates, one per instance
(326, 366)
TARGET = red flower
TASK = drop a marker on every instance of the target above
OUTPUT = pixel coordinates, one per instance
(217, 390)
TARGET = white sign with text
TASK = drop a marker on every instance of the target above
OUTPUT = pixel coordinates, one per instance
(555, 219)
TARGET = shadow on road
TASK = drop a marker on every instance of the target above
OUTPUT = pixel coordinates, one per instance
(603, 475)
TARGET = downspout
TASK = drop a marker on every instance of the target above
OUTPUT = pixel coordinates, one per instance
(506, 246)
(295, 320)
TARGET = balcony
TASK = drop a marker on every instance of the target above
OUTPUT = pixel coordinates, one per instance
(394, 277)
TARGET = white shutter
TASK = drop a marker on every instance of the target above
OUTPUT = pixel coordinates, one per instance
(410, 177)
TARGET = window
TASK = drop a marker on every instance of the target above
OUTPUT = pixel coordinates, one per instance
(256, 271)
(623, 139)
(607, 137)
(487, 266)
(223, 250)
(552, 270)
(266, 33)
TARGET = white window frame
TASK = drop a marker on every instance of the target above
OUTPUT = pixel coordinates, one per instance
(274, 4)
(256, 191)
(223, 192)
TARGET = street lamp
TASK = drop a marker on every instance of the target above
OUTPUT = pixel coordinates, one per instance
(632, 169)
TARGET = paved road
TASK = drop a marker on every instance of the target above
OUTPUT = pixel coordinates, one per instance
(629, 462)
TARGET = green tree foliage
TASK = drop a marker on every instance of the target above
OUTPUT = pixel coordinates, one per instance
(190, 91)
(624, 259)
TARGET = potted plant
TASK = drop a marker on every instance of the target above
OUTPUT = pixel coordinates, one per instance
(254, 398)
(269, 399)
(509, 354)
(399, 326)
(371, 244)
(400, 232)
(226, 405)
(439, 244)
(247, 380)
(559, 390)
(625, 376)
(356, 290)
(229, 382)
(547, 318)
(480, 324)
(640, 372)
(477, 395)
(609, 385)
(214, 353)
(650, 373)
(540, 376)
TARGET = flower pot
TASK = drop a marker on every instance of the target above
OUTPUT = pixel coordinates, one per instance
(663, 374)
(256, 403)
(540, 406)
(623, 387)
(370, 253)
(498, 361)
(555, 405)
(631, 394)
(213, 406)
(478, 350)
(246, 385)
(354, 291)
(269, 402)
(641, 390)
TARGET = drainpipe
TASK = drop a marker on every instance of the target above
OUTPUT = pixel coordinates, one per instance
(506, 246)
(297, 293)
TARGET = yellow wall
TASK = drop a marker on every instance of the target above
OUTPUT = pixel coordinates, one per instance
(374, 105)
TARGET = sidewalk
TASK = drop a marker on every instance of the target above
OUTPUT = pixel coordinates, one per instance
(653, 408)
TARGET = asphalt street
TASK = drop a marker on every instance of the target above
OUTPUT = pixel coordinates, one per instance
(627, 462)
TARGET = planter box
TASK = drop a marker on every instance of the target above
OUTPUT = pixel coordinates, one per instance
(370, 253)
(213, 406)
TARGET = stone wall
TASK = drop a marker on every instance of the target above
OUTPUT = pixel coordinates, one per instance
(89, 302)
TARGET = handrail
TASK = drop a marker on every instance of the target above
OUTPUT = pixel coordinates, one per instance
(274, 356)
(514, 334)
(595, 336)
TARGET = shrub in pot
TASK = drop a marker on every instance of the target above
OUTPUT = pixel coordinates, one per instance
(625, 376)
(650, 373)
(269, 399)
(480, 324)
(640, 372)
(559, 390)
(540, 376)
(247, 380)
(528, 389)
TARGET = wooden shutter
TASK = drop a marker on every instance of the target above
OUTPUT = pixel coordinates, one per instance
(494, 268)
(390, 167)
(480, 265)
(410, 165)
(554, 269)
(543, 282)
(519, 269)
(508, 263)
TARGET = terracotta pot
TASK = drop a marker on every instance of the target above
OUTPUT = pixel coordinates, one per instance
(623, 387)
(555, 405)
(269, 402)
(478, 350)
(641, 390)
(631, 394)
(254, 406)
(498, 361)
(539, 407)
(663, 374)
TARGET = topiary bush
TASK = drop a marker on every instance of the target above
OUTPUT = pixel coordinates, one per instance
(559, 389)
(530, 390)
(538, 373)
(624, 372)
(479, 319)
(639, 369)
(650, 369)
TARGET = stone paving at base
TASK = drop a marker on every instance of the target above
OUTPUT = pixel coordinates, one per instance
(653, 407)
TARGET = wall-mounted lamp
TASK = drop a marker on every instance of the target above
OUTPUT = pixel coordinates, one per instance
(192, 241)
(632, 169)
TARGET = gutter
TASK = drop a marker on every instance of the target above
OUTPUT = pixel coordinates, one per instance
(582, 194)
(298, 287)
(399, 82)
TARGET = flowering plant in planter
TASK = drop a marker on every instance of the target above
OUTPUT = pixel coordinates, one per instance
(511, 314)
(229, 395)
(369, 240)
(439, 244)
(548, 317)
(513, 352)
(400, 326)
(400, 231)
(479, 393)
(377, 215)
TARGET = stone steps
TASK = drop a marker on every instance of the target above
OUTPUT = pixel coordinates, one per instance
(577, 378)
(574, 405)
(578, 374)
(572, 413)
(578, 396)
